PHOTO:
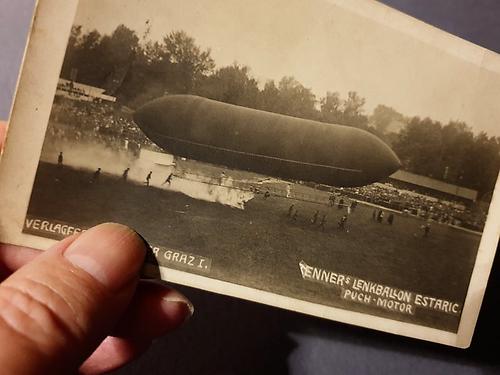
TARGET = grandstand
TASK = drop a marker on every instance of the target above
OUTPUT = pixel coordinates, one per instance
(79, 91)
(439, 188)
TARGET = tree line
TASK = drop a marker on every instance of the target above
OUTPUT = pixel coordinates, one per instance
(136, 69)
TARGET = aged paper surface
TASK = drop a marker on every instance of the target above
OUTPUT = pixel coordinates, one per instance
(316, 156)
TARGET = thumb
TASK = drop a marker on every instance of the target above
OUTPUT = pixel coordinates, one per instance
(57, 309)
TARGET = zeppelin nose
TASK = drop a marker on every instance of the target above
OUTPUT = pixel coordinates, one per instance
(380, 159)
(392, 163)
(369, 155)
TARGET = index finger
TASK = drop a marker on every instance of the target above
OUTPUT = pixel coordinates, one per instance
(14, 257)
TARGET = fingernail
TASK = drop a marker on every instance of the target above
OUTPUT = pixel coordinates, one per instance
(111, 253)
(175, 300)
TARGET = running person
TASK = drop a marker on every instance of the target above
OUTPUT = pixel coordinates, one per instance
(60, 160)
(95, 176)
(125, 174)
(169, 179)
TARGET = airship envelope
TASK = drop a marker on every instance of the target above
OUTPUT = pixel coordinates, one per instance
(266, 143)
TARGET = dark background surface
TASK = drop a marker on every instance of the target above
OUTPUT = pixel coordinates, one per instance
(230, 336)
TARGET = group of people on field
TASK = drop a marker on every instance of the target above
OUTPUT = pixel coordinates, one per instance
(125, 174)
(320, 219)
(378, 216)
(316, 220)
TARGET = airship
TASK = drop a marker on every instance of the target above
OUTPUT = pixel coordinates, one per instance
(266, 143)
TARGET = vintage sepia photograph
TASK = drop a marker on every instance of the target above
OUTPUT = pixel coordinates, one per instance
(291, 147)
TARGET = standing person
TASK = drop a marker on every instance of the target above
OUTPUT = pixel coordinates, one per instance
(341, 203)
(353, 205)
(148, 178)
(331, 200)
(125, 174)
(60, 160)
(380, 216)
(290, 210)
(322, 224)
(314, 219)
(342, 222)
(95, 176)
(222, 178)
(390, 219)
(427, 229)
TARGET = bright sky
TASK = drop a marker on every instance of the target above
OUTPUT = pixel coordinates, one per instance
(325, 47)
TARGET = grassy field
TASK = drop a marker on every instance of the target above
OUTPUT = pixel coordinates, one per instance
(261, 247)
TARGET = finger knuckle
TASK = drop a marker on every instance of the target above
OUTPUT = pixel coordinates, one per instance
(39, 312)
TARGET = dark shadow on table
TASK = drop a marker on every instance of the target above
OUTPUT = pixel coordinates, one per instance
(225, 336)
(231, 336)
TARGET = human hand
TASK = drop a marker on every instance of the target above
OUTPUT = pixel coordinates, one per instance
(3, 130)
(81, 298)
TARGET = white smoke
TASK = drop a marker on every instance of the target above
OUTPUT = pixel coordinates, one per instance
(211, 191)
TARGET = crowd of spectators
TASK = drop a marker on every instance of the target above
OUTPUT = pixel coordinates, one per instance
(104, 123)
(442, 210)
